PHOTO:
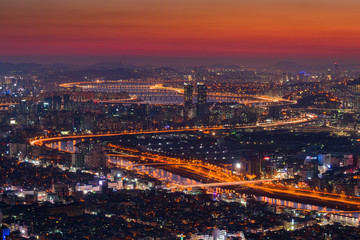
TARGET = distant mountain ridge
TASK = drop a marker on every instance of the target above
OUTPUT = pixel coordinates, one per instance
(111, 65)
(26, 68)
(7, 68)
(289, 66)
(285, 66)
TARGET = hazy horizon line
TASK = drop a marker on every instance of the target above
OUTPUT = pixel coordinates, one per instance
(171, 61)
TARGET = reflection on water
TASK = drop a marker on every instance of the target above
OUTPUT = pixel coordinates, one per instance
(166, 176)
(68, 146)
(158, 173)
(274, 201)
(279, 202)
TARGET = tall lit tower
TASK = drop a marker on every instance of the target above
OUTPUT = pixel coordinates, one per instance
(202, 105)
(329, 75)
(188, 94)
(201, 94)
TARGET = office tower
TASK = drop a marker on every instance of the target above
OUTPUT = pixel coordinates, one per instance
(66, 101)
(202, 105)
(57, 103)
(90, 155)
(40, 109)
(201, 94)
(48, 104)
(188, 95)
(78, 160)
(23, 106)
(95, 158)
(329, 75)
(250, 163)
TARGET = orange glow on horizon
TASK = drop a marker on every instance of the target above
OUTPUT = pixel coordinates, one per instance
(181, 28)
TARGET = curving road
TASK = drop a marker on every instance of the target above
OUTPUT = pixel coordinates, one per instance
(39, 140)
(224, 184)
(159, 87)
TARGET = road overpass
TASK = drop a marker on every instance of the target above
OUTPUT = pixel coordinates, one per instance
(40, 140)
(158, 93)
(37, 141)
(223, 179)
(226, 184)
(158, 164)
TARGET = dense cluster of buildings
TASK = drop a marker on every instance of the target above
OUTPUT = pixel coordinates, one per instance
(83, 193)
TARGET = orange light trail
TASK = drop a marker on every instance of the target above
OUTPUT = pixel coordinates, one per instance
(335, 198)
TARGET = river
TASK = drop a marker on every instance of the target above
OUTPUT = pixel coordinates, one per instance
(169, 177)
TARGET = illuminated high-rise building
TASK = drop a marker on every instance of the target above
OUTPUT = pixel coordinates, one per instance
(188, 95)
(47, 104)
(57, 103)
(201, 94)
(329, 75)
(202, 104)
(66, 101)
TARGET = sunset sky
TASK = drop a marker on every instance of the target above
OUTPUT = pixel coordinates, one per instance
(302, 30)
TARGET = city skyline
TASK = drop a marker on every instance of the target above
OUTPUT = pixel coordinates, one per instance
(190, 120)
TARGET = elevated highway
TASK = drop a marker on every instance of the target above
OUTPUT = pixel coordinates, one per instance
(221, 177)
(41, 140)
(226, 184)
(156, 92)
